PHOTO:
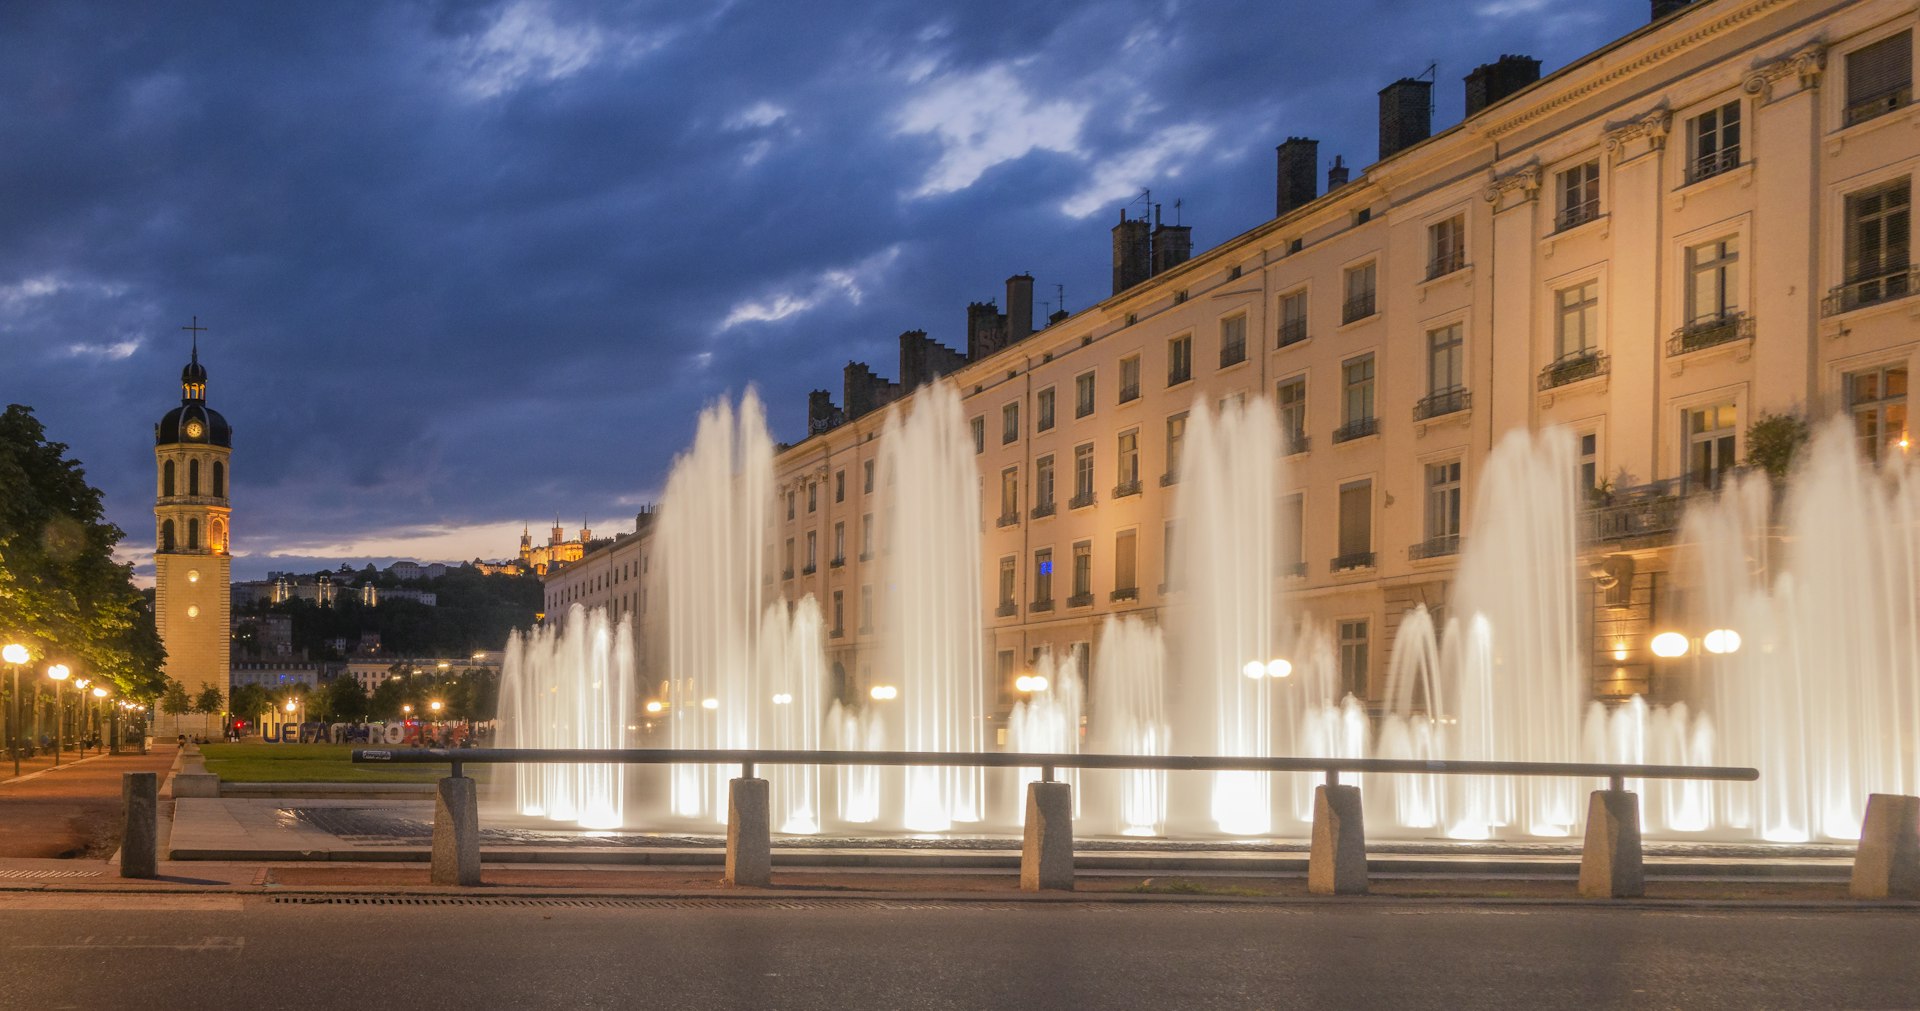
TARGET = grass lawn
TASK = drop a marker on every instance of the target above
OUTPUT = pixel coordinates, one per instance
(313, 763)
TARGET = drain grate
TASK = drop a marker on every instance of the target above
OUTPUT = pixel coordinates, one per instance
(821, 904)
(21, 875)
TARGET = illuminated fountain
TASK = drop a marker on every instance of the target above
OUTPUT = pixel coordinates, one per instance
(566, 685)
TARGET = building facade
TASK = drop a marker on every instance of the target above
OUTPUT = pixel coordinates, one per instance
(193, 447)
(1696, 227)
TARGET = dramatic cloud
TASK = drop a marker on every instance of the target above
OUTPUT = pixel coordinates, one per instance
(471, 263)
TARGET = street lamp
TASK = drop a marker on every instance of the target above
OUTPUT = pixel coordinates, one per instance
(59, 673)
(15, 655)
(884, 693)
(1030, 683)
(435, 706)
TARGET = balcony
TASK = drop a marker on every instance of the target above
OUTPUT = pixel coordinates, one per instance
(1179, 373)
(1007, 609)
(1712, 164)
(1081, 501)
(1350, 562)
(1169, 479)
(1041, 511)
(1124, 593)
(1008, 519)
(1126, 488)
(1442, 402)
(1575, 215)
(1080, 600)
(1649, 510)
(1710, 331)
(838, 562)
(786, 574)
(1572, 367)
(1357, 429)
(1358, 307)
(866, 556)
(1040, 606)
(1293, 331)
(809, 570)
(1294, 570)
(1435, 547)
(1295, 443)
(1128, 394)
(1446, 263)
(1858, 294)
(1879, 105)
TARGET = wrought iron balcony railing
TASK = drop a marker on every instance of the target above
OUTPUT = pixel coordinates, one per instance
(1446, 263)
(1357, 308)
(1435, 547)
(1008, 519)
(1081, 501)
(1575, 215)
(1358, 428)
(1294, 443)
(1042, 511)
(1007, 609)
(1442, 402)
(1294, 570)
(1293, 331)
(1573, 367)
(1710, 331)
(1894, 284)
(1040, 606)
(1124, 593)
(1714, 163)
(1080, 600)
(1126, 488)
(1348, 562)
(1867, 108)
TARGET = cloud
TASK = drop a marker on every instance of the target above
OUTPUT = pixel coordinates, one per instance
(983, 119)
(523, 45)
(847, 284)
(1124, 175)
(114, 351)
(756, 116)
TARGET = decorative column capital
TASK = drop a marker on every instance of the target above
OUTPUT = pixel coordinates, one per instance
(1653, 126)
(1525, 179)
(1806, 64)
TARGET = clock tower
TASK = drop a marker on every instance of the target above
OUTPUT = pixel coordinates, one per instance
(192, 570)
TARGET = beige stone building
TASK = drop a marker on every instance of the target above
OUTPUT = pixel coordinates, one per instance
(193, 446)
(1698, 225)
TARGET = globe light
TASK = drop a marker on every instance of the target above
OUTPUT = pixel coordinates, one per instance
(782, 699)
(290, 705)
(1722, 641)
(1669, 645)
(709, 703)
(14, 653)
(434, 705)
(654, 706)
(1278, 668)
(1254, 669)
(59, 672)
(99, 693)
(884, 693)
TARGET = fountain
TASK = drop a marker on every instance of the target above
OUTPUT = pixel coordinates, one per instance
(566, 685)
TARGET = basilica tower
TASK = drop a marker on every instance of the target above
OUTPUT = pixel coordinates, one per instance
(192, 570)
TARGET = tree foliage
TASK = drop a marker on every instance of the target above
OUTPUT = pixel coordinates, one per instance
(1772, 442)
(60, 589)
(209, 701)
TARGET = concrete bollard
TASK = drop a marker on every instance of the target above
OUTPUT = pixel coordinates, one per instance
(456, 832)
(749, 834)
(1610, 866)
(1046, 852)
(140, 843)
(1337, 864)
(1887, 864)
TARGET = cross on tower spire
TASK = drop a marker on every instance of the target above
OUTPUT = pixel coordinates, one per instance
(197, 330)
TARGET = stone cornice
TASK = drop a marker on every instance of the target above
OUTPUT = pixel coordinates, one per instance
(1573, 92)
(1807, 63)
(1653, 125)
(1526, 179)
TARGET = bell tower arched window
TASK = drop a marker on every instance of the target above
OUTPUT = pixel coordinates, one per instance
(166, 534)
(193, 535)
(166, 479)
(219, 479)
(193, 477)
(217, 535)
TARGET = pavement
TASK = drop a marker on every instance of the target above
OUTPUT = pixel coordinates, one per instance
(72, 810)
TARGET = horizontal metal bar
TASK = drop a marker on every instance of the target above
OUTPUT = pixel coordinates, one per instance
(1015, 760)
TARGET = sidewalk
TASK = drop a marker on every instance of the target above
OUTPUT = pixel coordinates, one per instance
(73, 810)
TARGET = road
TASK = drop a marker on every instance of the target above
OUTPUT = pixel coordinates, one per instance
(211, 952)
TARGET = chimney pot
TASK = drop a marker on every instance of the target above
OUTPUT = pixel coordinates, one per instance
(1296, 174)
(1019, 307)
(1406, 115)
(1491, 82)
(1336, 174)
(1662, 8)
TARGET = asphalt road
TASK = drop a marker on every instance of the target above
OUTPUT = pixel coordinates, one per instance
(215, 952)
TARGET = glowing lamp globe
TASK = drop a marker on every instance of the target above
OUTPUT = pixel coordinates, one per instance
(13, 653)
(1669, 645)
(1722, 641)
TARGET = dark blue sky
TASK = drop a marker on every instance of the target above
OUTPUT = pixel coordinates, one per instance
(469, 264)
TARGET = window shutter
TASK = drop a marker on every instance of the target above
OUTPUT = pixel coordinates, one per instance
(1356, 518)
(1880, 69)
(1123, 550)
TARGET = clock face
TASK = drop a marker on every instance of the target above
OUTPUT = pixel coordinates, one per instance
(194, 429)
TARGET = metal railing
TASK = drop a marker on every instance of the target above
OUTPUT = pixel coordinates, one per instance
(1042, 511)
(1435, 547)
(1575, 215)
(1294, 443)
(1357, 308)
(1710, 331)
(1442, 402)
(1126, 488)
(1359, 428)
(1712, 164)
(1573, 367)
(1866, 291)
(1446, 263)
(1124, 593)
(1293, 331)
(1006, 610)
(1007, 519)
(1081, 501)
(1355, 560)
(1874, 106)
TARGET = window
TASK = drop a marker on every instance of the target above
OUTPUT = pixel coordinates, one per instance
(1879, 77)
(1082, 476)
(839, 486)
(979, 428)
(1009, 496)
(166, 535)
(1293, 318)
(1443, 508)
(1176, 441)
(1713, 142)
(1166, 556)
(1290, 544)
(1081, 653)
(1128, 461)
(1445, 360)
(1579, 189)
(1233, 340)
(1878, 246)
(1082, 574)
(813, 496)
(1129, 378)
(866, 536)
(1589, 460)
(1877, 400)
(193, 535)
(1710, 444)
(1043, 485)
(1359, 304)
(1083, 394)
(813, 552)
(1007, 578)
(1576, 326)
(193, 477)
(1356, 407)
(866, 608)
(1446, 246)
(1125, 584)
(839, 544)
(1356, 525)
(839, 612)
(1291, 398)
(219, 479)
(1010, 423)
(166, 479)
(1353, 658)
(1179, 359)
(790, 500)
(866, 480)
(1043, 579)
(1713, 281)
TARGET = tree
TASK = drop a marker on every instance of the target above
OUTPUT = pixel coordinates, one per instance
(342, 701)
(1772, 442)
(174, 701)
(209, 702)
(60, 587)
(384, 703)
(248, 701)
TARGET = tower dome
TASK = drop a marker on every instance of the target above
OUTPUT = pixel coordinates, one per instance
(193, 421)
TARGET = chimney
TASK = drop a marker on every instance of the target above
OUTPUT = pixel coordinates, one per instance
(1491, 82)
(1336, 174)
(1299, 164)
(1406, 115)
(923, 360)
(821, 414)
(1057, 316)
(1132, 253)
(986, 330)
(1663, 8)
(1019, 308)
(1172, 244)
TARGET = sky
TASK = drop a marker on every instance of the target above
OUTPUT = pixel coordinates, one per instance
(473, 264)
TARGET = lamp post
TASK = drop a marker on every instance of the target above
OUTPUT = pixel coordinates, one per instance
(99, 693)
(59, 673)
(15, 655)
